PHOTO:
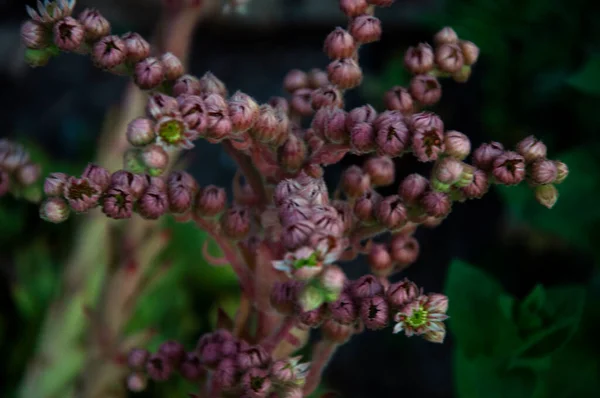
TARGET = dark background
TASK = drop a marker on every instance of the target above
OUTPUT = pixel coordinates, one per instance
(539, 73)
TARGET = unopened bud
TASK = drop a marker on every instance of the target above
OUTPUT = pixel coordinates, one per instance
(531, 149)
(153, 203)
(292, 153)
(353, 8)
(343, 309)
(428, 144)
(95, 25)
(366, 286)
(326, 96)
(398, 98)
(148, 73)
(173, 351)
(393, 138)
(484, 156)
(401, 293)
(374, 312)
(381, 170)
(365, 29)
(562, 171)
(509, 168)
(448, 170)
(365, 206)
(172, 66)
(284, 295)
(236, 223)
(344, 73)
(449, 58)
(159, 368)
(98, 175)
(186, 84)
(137, 47)
(543, 171)
(420, 59)
(426, 89)
(68, 34)
(210, 84)
(546, 195)
(478, 186)
(412, 188)
(470, 52)
(159, 105)
(391, 212)
(355, 182)
(446, 36)
(136, 359)
(317, 78)
(301, 101)
(243, 112)
(332, 279)
(140, 132)
(210, 201)
(155, 158)
(380, 260)
(54, 184)
(27, 174)
(295, 80)
(109, 52)
(404, 249)
(54, 210)
(137, 382)
(458, 145)
(34, 35)
(339, 44)
(436, 204)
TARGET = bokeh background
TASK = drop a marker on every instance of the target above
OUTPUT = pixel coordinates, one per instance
(523, 281)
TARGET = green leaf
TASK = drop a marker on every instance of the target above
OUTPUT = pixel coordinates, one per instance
(477, 321)
(587, 79)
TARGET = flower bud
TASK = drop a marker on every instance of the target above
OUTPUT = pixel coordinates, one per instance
(398, 98)
(531, 149)
(380, 260)
(210, 84)
(353, 8)
(160, 105)
(448, 170)
(155, 158)
(354, 182)
(436, 204)
(374, 312)
(191, 368)
(54, 184)
(137, 47)
(336, 332)
(210, 201)
(428, 144)
(392, 138)
(311, 319)
(301, 101)
(333, 124)
(401, 293)
(153, 203)
(292, 154)
(457, 144)
(136, 382)
(446, 36)
(295, 80)
(137, 358)
(365, 29)
(95, 25)
(53, 209)
(252, 357)
(193, 113)
(226, 373)
(364, 208)
(470, 52)
(284, 190)
(256, 383)
(381, 170)
(363, 114)
(173, 351)
(236, 223)
(343, 309)
(381, 3)
(332, 279)
(317, 78)
(159, 368)
(509, 168)
(366, 286)
(404, 249)
(186, 84)
(98, 175)
(117, 203)
(345, 214)
(68, 34)
(27, 174)
(284, 295)
(266, 125)
(412, 188)
(426, 89)
(326, 96)
(296, 235)
(562, 171)
(339, 44)
(387, 118)
(543, 171)
(546, 195)
(478, 186)
(109, 52)
(420, 59)
(34, 35)
(181, 188)
(148, 73)
(243, 112)
(140, 132)
(484, 156)
(172, 66)
(391, 212)
(81, 193)
(449, 58)
(134, 183)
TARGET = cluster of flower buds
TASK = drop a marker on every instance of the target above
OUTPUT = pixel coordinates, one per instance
(233, 366)
(17, 172)
(368, 302)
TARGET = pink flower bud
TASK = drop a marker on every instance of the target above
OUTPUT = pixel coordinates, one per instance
(424, 122)
(34, 35)
(448, 170)
(252, 357)
(292, 154)
(160, 105)
(140, 132)
(436, 204)
(284, 190)
(428, 144)
(562, 171)
(296, 235)
(226, 374)
(191, 368)
(345, 214)
(53, 209)
(363, 114)
(137, 358)
(284, 295)
(159, 368)
(12, 156)
(509, 168)
(117, 203)
(193, 112)
(81, 193)
(301, 102)
(210, 201)
(412, 188)
(546, 195)
(210, 354)
(392, 138)
(210, 84)
(364, 208)
(354, 182)
(478, 186)
(311, 319)
(295, 80)
(137, 382)
(155, 157)
(449, 58)
(446, 36)
(153, 203)
(172, 66)
(401, 293)
(543, 171)
(343, 309)
(256, 383)
(334, 125)
(181, 189)
(353, 8)
(137, 48)
(27, 174)
(365, 29)
(374, 312)
(362, 138)
(420, 59)
(243, 112)
(266, 126)
(398, 98)
(457, 144)
(186, 84)
(317, 78)
(381, 170)
(98, 175)
(54, 184)
(404, 249)
(366, 286)
(134, 183)
(149, 73)
(426, 89)
(68, 34)
(109, 52)
(380, 260)
(531, 149)
(339, 44)
(391, 212)
(95, 25)
(326, 96)
(470, 52)
(336, 332)
(484, 156)
(173, 351)
(280, 103)
(236, 223)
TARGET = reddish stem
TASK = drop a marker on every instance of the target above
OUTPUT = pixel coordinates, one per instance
(271, 342)
(250, 172)
(322, 352)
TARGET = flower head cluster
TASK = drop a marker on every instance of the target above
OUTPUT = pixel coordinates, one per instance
(16, 169)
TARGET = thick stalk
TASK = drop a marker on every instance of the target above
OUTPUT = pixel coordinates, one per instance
(322, 352)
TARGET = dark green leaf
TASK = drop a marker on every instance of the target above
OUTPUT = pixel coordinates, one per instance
(587, 79)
